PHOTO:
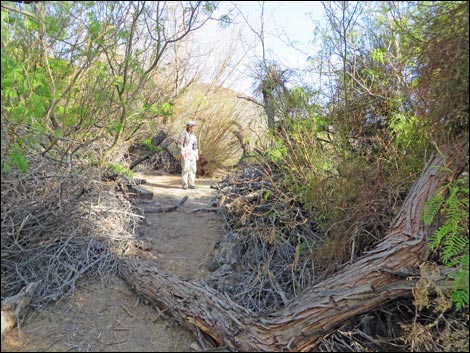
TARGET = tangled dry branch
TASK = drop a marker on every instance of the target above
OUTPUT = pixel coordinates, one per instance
(264, 259)
(57, 226)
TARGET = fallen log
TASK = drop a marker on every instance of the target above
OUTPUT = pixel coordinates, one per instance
(364, 285)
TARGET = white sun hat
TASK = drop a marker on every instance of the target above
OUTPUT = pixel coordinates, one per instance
(190, 123)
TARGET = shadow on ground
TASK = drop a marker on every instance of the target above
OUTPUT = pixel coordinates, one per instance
(105, 315)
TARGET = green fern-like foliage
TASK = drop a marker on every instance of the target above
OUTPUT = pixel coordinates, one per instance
(452, 237)
(459, 294)
(433, 206)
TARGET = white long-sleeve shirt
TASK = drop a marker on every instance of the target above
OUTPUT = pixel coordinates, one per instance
(187, 144)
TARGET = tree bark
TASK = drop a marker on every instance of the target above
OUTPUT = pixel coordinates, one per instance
(14, 308)
(375, 278)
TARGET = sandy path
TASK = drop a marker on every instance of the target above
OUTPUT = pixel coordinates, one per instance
(105, 316)
(181, 240)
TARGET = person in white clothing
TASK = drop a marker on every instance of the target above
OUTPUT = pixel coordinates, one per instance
(187, 143)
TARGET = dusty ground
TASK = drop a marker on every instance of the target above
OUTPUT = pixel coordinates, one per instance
(105, 315)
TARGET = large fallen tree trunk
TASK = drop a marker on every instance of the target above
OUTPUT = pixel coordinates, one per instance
(375, 278)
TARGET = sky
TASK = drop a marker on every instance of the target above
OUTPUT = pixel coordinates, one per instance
(284, 22)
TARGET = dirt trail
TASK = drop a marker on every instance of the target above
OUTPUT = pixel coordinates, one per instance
(106, 315)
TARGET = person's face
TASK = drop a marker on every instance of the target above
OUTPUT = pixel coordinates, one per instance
(192, 128)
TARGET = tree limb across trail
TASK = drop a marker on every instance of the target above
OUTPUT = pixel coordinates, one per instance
(369, 282)
(166, 208)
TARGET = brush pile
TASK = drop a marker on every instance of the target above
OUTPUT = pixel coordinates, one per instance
(264, 259)
(57, 226)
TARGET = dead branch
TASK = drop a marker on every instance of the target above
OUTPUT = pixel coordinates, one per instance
(156, 141)
(167, 208)
(205, 209)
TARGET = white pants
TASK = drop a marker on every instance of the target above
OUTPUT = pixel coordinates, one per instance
(188, 172)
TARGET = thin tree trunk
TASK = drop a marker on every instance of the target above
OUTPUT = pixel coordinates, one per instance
(372, 280)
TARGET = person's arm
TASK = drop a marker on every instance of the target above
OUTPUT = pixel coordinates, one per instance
(181, 141)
